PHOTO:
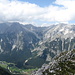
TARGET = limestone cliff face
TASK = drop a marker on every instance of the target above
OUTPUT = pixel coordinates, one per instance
(56, 39)
(28, 44)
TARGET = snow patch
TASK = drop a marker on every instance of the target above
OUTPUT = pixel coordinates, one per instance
(26, 61)
(61, 30)
(66, 31)
(13, 47)
(1, 40)
(1, 50)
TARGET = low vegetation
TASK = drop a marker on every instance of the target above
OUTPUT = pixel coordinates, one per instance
(15, 70)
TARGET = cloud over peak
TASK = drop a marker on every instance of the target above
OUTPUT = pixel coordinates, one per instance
(15, 10)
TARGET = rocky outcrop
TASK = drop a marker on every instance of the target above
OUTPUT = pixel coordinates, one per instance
(63, 64)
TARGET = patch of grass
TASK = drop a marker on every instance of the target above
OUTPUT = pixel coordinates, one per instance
(15, 70)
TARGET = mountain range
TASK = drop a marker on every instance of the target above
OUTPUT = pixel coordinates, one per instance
(26, 45)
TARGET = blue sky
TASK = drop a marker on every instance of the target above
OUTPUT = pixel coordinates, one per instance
(38, 12)
(42, 3)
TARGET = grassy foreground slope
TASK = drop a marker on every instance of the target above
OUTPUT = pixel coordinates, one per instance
(15, 70)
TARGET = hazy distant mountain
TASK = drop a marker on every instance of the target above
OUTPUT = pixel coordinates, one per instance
(39, 31)
(3, 27)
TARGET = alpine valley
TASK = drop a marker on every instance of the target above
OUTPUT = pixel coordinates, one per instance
(29, 47)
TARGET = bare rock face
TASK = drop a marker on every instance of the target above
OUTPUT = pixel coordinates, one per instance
(62, 64)
(56, 39)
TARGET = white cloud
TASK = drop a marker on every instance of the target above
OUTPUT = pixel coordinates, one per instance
(19, 11)
(61, 13)
(24, 12)
(69, 9)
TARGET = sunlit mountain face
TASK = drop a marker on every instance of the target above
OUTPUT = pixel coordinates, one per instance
(25, 45)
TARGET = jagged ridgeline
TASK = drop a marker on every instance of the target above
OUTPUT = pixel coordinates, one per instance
(26, 45)
(63, 64)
